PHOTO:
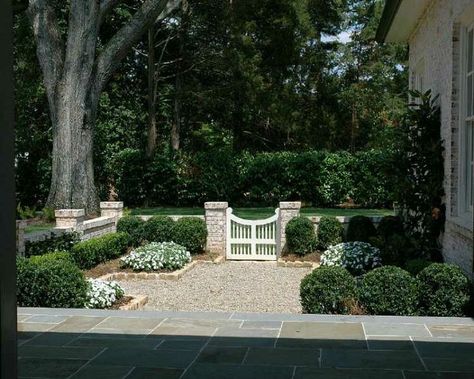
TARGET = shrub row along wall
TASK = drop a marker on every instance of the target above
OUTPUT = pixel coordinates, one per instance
(73, 220)
(316, 177)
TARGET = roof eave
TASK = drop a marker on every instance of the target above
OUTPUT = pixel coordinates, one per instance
(389, 12)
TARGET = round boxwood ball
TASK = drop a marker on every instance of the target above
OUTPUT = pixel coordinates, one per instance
(133, 226)
(328, 290)
(300, 236)
(330, 232)
(389, 290)
(360, 228)
(159, 229)
(191, 232)
(444, 290)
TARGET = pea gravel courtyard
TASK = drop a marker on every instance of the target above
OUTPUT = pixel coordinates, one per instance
(231, 286)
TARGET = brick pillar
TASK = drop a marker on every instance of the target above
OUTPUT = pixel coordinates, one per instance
(288, 210)
(20, 237)
(216, 214)
(70, 219)
(111, 209)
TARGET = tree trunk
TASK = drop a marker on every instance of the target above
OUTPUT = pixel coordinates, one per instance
(152, 133)
(176, 127)
(74, 76)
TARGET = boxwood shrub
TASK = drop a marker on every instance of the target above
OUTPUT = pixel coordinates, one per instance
(191, 232)
(50, 280)
(330, 232)
(90, 253)
(444, 290)
(328, 290)
(133, 226)
(159, 229)
(390, 225)
(389, 290)
(360, 228)
(300, 235)
(54, 242)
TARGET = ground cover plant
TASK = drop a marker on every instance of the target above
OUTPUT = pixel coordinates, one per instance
(157, 256)
(102, 294)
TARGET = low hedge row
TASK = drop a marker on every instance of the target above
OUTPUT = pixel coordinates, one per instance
(87, 254)
(61, 242)
(438, 290)
(190, 232)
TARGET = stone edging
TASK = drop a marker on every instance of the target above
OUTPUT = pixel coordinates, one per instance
(137, 302)
(297, 264)
(175, 275)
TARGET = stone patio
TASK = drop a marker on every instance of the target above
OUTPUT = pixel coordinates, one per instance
(61, 343)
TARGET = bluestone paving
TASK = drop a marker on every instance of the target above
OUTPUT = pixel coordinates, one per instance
(92, 344)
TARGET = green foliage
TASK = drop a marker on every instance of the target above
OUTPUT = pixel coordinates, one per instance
(159, 229)
(389, 226)
(87, 254)
(133, 226)
(421, 171)
(328, 290)
(361, 228)
(24, 213)
(415, 266)
(51, 281)
(300, 236)
(55, 242)
(191, 232)
(48, 214)
(389, 290)
(444, 290)
(330, 232)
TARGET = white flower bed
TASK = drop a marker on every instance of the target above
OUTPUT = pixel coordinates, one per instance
(102, 294)
(356, 257)
(157, 256)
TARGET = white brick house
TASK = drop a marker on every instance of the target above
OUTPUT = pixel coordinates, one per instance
(440, 35)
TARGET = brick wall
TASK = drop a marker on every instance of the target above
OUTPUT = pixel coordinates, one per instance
(436, 42)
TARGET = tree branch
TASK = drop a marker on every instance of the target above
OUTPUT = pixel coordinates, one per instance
(50, 47)
(105, 7)
(119, 45)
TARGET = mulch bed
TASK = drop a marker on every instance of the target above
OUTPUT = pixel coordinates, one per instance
(123, 301)
(113, 266)
(312, 257)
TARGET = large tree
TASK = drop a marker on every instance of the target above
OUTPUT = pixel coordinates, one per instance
(75, 68)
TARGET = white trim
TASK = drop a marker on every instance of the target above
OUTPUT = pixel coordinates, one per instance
(463, 212)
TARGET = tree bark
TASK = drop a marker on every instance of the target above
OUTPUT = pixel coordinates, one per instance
(151, 130)
(74, 78)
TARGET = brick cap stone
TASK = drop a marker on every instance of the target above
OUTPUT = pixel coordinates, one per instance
(290, 205)
(216, 205)
(59, 213)
(111, 204)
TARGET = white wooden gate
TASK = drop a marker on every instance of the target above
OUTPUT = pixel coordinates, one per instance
(252, 239)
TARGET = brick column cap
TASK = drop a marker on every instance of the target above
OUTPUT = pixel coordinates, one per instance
(60, 213)
(216, 205)
(111, 205)
(290, 205)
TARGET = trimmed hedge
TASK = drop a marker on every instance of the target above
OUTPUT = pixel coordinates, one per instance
(445, 290)
(263, 179)
(133, 226)
(158, 229)
(328, 290)
(61, 242)
(300, 235)
(360, 228)
(389, 290)
(90, 253)
(50, 280)
(330, 232)
(190, 232)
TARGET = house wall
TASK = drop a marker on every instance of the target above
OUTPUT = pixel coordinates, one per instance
(435, 44)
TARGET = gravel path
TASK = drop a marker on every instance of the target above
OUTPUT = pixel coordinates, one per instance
(231, 286)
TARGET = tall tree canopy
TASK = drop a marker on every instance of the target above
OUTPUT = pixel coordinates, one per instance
(270, 75)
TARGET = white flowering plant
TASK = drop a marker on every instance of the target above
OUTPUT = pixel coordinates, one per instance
(103, 294)
(157, 256)
(356, 257)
